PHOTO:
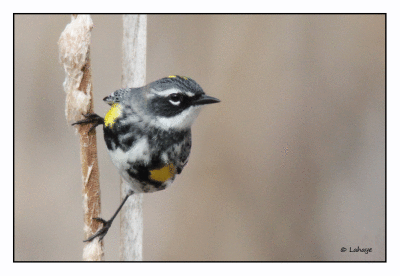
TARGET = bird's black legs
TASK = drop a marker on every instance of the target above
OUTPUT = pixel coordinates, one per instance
(91, 118)
(107, 224)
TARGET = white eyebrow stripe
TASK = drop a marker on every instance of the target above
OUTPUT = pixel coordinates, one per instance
(166, 93)
(170, 91)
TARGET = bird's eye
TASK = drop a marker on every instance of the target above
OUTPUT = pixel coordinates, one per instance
(175, 98)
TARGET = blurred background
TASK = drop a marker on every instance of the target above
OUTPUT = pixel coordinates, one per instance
(290, 166)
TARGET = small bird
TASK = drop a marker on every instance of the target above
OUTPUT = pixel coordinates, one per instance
(148, 133)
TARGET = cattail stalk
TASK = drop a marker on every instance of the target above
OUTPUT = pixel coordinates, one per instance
(74, 48)
(133, 75)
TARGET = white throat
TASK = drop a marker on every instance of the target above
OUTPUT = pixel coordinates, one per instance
(183, 120)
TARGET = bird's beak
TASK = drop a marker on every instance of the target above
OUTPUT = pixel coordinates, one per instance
(204, 99)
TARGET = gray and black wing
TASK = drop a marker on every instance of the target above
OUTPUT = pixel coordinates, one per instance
(184, 156)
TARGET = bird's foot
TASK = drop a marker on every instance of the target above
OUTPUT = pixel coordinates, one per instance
(91, 118)
(102, 232)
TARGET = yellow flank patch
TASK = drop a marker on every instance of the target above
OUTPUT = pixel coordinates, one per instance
(163, 174)
(171, 77)
(112, 114)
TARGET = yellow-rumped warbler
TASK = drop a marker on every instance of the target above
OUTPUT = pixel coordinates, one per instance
(147, 133)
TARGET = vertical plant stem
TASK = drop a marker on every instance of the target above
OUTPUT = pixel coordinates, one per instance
(74, 47)
(133, 75)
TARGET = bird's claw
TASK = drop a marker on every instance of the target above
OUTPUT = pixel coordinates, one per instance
(102, 232)
(91, 118)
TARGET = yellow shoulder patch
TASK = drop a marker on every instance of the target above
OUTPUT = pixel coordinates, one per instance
(112, 114)
(163, 174)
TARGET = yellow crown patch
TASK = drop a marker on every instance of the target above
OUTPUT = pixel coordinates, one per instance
(174, 76)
